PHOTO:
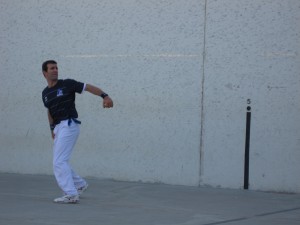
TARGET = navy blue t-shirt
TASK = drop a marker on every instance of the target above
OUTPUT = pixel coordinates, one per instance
(60, 99)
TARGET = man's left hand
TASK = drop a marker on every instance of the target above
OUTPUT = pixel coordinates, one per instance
(107, 102)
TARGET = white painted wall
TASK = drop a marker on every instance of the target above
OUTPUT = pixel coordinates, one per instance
(252, 52)
(148, 55)
(145, 54)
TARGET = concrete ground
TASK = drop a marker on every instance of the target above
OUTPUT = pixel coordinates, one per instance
(27, 200)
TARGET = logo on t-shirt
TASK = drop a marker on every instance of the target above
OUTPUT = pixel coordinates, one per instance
(59, 92)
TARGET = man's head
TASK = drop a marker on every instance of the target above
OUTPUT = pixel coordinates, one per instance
(50, 70)
(45, 65)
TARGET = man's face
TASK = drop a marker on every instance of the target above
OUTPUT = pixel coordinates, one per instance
(52, 72)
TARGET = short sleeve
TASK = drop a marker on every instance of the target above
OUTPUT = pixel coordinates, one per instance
(76, 85)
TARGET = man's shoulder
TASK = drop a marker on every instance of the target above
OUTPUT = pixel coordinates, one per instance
(69, 81)
(46, 89)
(66, 82)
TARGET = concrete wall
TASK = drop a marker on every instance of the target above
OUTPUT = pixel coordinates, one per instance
(179, 115)
(252, 52)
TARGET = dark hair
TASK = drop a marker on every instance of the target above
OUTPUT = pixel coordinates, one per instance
(45, 64)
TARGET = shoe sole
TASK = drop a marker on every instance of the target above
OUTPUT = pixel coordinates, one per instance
(73, 202)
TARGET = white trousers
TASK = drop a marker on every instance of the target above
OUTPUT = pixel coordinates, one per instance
(66, 136)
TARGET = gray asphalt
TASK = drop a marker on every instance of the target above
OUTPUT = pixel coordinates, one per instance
(27, 200)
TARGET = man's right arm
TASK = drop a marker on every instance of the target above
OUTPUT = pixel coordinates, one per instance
(51, 122)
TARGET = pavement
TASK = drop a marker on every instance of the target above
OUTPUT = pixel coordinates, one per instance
(28, 200)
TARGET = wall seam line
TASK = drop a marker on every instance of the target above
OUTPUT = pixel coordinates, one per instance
(202, 96)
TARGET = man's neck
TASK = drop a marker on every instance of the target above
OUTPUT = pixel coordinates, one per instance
(52, 83)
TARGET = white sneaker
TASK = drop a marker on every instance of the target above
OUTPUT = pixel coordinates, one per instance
(67, 199)
(82, 189)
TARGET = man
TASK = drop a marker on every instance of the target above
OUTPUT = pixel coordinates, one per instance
(59, 99)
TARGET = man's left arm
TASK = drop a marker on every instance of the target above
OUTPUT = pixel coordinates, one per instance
(107, 101)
